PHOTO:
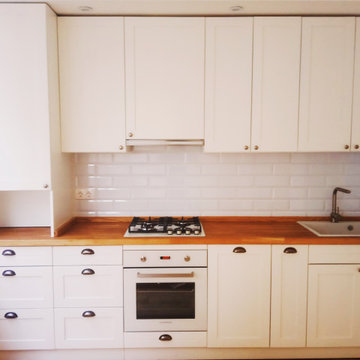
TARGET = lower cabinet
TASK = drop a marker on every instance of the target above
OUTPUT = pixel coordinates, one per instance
(238, 295)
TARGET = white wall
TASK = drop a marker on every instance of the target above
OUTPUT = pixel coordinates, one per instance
(186, 181)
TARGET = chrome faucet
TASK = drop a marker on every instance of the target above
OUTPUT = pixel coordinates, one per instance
(335, 215)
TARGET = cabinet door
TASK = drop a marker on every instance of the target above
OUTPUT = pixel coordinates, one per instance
(164, 78)
(239, 295)
(24, 111)
(289, 295)
(326, 84)
(88, 286)
(355, 133)
(333, 305)
(228, 84)
(92, 84)
(275, 106)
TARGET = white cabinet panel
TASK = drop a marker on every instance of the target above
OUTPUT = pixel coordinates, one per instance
(228, 84)
(334, 254)
(326, 84)
(276, 73)
(88, 328)
(26, 329)
(26, 287)
(239, 295)
(87, 255)
(22, 256)
(289, 295)
(88, 286)
(164, 77)
(24, 110)
(92, 83)
(333, 306)
(355, 133)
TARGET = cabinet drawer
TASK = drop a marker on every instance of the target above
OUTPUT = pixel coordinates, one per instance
(87, 255)
(88, 286)
(334, 254)
(26, 287)
(20, 256)
(88, 328)
(25, 329)
(175, 339)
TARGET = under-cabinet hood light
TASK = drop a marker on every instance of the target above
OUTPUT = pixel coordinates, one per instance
(85, 8)
(236, 8)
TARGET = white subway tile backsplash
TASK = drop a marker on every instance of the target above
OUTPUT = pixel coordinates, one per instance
(177, 180)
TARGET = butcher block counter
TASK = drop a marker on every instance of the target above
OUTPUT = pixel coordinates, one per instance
(218, 230)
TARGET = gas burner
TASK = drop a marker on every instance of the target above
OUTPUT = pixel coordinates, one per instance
(165, 226)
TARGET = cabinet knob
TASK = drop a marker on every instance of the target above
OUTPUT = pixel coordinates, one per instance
(346, 147)
(143, 259)
(290, 250)
(121, 147)
(239, 250)
(356, 146)
(256, 147)
(86, 314)
(45, 186)
(187, 258)
(9, 252)
(10, 315)
(131, 134)
(87, 252)
(88, 272)
(165, 337)
(246, 147)
(8, 273)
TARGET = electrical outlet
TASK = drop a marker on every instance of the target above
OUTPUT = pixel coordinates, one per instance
(85, 194)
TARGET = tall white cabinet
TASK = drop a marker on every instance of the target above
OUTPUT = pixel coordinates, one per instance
(326, 84)
(164, 78)
(355, 131)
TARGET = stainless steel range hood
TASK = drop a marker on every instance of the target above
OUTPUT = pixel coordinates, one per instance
(149, 142)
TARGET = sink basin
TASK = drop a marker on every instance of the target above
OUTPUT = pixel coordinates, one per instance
(327, 228)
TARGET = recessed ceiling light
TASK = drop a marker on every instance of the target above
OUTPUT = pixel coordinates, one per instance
(236, 8)
(85, 8)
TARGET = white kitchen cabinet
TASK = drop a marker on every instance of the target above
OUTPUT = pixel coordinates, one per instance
(289, 295)
(326, 83)
(355, 131)
(164, 60)
(91, 328)
(24, 255)
(275, 92)
(228, 84)
(239, 295)
(92, 83)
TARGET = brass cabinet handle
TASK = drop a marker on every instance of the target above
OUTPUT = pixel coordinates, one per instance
(346, 147)
(256, 147)
(87, 252)
(356, 146)
(88, 272)
(290, 250)
(239, 250)
(10, 315)
(246, 147)
(8, 273)
(9, 252)
(165, 337)
(88, 313)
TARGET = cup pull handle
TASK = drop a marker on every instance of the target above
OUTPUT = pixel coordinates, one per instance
(165, 337)
(290, 250)
(10, 315)
(239, 250)
(87, 252)
(87, 314)
(88, 272)
(9, 252)
(8, 273)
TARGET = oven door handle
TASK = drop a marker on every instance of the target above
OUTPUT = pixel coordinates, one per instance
(176, 275)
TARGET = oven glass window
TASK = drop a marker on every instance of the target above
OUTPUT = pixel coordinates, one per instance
(165, 300)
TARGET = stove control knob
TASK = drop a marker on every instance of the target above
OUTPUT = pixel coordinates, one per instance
(188, 231)
(179, 232)
(187, 258)
(197, 232)
(143, 259)
(170, 232)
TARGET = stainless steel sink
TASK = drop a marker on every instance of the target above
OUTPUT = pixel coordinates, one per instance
(327, 228)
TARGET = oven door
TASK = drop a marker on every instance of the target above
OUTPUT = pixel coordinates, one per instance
(164, 299)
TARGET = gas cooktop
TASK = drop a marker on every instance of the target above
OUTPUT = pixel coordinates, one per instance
(164, 226)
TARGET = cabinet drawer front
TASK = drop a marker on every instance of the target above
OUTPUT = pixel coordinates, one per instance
(88, 255)
(26, 287)
(26, 329)
(171, 339)
(102, 328)
(20, 256)
(88, 286)
(334, 254)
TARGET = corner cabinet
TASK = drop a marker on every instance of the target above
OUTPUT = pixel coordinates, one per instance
(164, 78)
(238, 295)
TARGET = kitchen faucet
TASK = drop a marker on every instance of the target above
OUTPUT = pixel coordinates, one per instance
(335, 215)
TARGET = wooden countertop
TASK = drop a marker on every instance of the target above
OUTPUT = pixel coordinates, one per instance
(218, 230)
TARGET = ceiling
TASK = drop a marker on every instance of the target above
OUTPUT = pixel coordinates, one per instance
(201, 7)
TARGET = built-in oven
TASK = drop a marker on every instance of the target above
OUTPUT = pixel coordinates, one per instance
(165, 290)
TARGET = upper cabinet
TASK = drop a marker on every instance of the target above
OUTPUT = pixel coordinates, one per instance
(24, 97)
(164, 78)
(326, 84)
(228, 84)
(355, 134)
(276, 72)
(92, 84)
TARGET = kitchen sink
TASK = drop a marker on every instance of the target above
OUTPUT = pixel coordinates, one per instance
(327, 228)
